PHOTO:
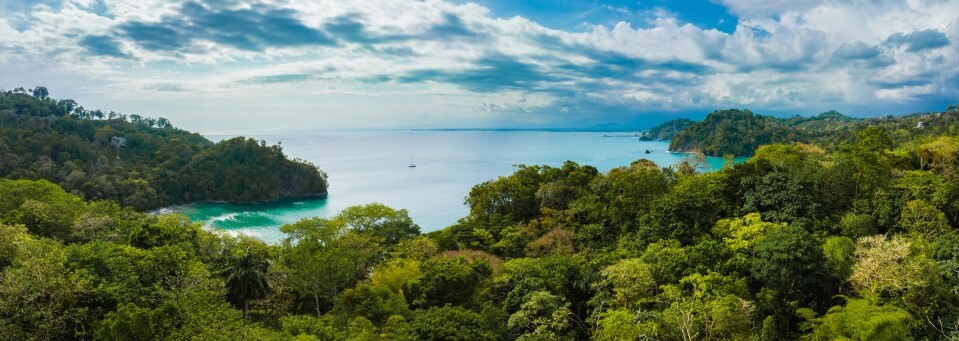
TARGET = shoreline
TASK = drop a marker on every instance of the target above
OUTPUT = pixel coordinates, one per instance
(168, 208)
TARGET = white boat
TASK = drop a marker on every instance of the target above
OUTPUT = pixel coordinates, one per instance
(412, 165)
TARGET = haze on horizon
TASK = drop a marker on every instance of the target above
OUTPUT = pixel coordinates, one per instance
(275, 65)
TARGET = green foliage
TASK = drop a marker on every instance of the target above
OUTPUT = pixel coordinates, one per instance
(449, 280)
(379, 221)
(450, 323)
(305, 325)
(857, 225)
(791, 263)
(324, 258)
(707, 306)
(245, 170)
(623, 324)
(736, 132)
(742, 234)
(756, 251)
(397, 274)
(669, 216)
(862, 320)
(666, 130)
(923, 219)
(840, 256)
(628, 283)
(154, 166)
(627, 193)
(375, 303)
(39, 298)
(246, 280)
(781, 197)
(542, 316)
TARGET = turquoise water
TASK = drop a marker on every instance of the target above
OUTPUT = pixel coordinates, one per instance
(372, 166)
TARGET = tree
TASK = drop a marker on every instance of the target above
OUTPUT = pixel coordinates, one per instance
(450, 323)
(628, 282)
(867, 162)
(118, 142)
(741, 234)
(542, 316)
(707, 307)
(791, 263)
(670, 218)
(885, 268)
(375, 303)
(39, 298)
(922, 219)
(379, 221)
(40, 92)
(246, 280)
(941, 155)
(862, 320)
(449, 280)
(397, 274)
(626, 193)
(300, 326)
(856, 226)
(324, 258)
(782, 197)
(625, 324)
(840, 256)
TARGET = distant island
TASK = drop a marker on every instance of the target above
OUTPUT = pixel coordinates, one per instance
(139, 161)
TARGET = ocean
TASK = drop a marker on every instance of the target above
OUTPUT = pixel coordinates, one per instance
(367, 166)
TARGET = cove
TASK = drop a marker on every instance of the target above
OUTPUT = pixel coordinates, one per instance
(373, 166)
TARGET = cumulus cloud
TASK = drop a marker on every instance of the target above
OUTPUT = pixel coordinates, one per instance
(857, 50)
(783, 56)
(919, 40)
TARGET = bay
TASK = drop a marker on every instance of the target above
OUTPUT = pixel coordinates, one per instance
(373, 166)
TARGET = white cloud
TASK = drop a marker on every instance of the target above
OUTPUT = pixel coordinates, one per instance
(428, 62)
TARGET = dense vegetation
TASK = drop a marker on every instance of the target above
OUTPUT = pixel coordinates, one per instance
(731, 132)
(139, 161)
(740, 132)
(853, 238)
(666, 130)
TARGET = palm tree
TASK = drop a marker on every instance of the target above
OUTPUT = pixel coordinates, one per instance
(246, 280)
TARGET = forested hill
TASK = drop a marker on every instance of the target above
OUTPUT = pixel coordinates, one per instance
(735, 132)
(741, 132)
(139, 161)
(666, 130)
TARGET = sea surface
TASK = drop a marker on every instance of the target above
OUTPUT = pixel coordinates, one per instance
(373, 166)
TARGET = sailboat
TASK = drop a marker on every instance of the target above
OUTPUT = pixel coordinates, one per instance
(412, 165)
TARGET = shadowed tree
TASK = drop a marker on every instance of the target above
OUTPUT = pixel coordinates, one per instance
(246, 280)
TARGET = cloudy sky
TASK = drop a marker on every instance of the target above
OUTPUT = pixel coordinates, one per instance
(274, 65)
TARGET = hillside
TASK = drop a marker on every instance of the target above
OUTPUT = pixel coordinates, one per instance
(139, 161)
(741, 132)
(732, 132)
(666, 130)
(852, 241)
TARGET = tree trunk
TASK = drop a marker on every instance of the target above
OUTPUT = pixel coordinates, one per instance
(246, 309)
(316, 300)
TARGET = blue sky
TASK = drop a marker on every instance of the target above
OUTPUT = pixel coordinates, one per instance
(279, 65)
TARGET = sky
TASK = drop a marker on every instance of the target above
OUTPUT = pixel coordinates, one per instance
(292, 65)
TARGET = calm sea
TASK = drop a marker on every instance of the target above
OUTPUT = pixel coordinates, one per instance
(373, 166)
